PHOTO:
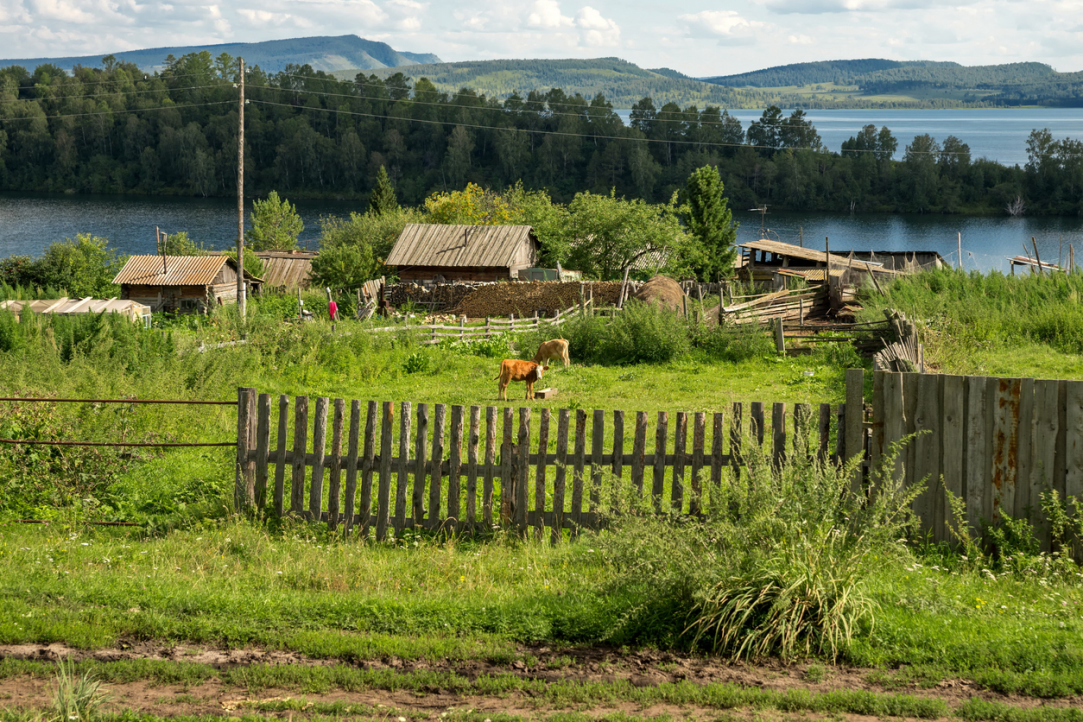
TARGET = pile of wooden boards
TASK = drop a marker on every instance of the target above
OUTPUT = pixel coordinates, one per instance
(545, 297)
(905, 355)
(790, 306)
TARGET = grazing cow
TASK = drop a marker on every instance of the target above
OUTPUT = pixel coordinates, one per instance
(557, 348)
(513, 370)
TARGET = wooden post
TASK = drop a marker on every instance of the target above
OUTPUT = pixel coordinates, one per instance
(618, 447)
(367, 469)
(539, 475)
(488, 332)
(778, 432)
(522, 473)
(597, 430)
(960, 241)
(383, 493)
(623, 289)
(263, 447)
(824, 444)
(1037, 258)
(456, 468)
(300, 445)
(736, 460)
(639, 452)
(577, 474)
(507, 483)
(756, 427)
(780, 339)
(435, 478)
(244, 495)
(699, 433)
(718, 437)
(319, 450)
(472, 467)
(351, 465)
(280, 467)
(680, 438)
(334, 488)
(241, 303)
(563, 417)
(658, 487)
(490, 461)
(420, 449)
(403, 480)
(855, 422)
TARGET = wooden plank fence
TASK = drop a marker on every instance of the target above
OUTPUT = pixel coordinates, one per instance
(996, 443)
(436, 473)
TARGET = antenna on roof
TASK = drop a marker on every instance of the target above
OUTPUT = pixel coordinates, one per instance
(762, 210)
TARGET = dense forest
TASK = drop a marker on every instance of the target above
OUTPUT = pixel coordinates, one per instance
(116, 129)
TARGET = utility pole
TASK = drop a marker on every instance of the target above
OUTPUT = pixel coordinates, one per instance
(240, 195)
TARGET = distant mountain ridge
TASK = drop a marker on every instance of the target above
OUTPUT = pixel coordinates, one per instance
(327, 53)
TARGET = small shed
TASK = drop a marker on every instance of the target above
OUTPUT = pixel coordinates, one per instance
(182, 283)
(286, 270)
(764, 261)
(463, 253)
(65, 306)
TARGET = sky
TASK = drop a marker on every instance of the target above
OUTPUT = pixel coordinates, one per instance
(696, 37)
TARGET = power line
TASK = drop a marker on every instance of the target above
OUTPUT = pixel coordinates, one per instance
(147, 77)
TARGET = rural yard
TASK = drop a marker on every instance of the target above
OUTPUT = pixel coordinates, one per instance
(688, 529)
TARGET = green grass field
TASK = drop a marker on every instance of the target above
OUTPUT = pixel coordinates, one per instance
(596, 628)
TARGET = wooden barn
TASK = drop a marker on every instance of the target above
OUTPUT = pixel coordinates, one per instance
(425, 252)
(182, 283)
(767, 262)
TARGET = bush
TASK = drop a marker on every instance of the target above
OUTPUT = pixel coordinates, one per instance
(776, 565)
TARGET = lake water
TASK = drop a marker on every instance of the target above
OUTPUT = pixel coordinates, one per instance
(998, 134)
(29, 223)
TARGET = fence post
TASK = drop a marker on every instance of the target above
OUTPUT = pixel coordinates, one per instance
(263, 448)
(300, 446)
(522, 475)
(462, 327)
(280, 467)
(244, 493)
(319, 450)
(855, 421)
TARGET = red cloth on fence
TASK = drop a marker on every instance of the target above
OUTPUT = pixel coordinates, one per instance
(334, 310)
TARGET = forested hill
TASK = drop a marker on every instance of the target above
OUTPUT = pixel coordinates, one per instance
(840, 72)
(321, 53)
(621, 82)
(870, 81)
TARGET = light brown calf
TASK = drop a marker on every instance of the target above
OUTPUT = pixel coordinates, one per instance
(557, 348)
(514, 370)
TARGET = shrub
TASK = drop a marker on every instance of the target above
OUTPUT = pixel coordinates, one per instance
(775, 566)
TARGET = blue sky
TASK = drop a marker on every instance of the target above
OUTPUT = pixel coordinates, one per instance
(695, 37)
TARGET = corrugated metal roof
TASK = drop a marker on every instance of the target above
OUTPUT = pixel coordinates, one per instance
(791, 251)
(287, 269)
(180, 270)
(422, 244)
(80, 305)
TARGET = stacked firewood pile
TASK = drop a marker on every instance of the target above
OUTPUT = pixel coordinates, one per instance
(437, 296)
(523, 299)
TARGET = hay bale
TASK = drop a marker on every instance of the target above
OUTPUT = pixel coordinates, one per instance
(663, 291)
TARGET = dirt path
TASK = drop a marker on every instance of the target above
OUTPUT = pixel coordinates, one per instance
(638, 668)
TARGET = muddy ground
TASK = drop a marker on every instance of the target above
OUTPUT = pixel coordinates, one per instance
(639, 668)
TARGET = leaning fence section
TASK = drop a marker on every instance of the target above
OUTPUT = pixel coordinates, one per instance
(379, 468)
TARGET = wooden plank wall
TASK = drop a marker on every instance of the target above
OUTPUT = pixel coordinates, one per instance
(401, 466)
(995, 443)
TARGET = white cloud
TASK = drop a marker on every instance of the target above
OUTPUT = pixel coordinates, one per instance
(799, 40)
(546, 14)
(718, 23)
(598, 30)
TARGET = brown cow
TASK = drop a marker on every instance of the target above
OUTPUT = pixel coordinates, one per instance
(514, 370)
(557, 348)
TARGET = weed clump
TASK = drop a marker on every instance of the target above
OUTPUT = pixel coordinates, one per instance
(775, 566)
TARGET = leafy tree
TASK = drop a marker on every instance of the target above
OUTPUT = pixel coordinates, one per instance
(275, 225)
(353, 249)
(765, 133)
(607, 234)
(472, 206)
(83, 266)
(710, 223)
(383, 198)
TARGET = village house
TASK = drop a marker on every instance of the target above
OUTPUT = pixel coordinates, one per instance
(182, 283)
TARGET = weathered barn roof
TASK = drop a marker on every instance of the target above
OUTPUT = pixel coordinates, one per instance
(179, 270)
(287, 268)
(80, 305)
(423, 244)
(808, 254)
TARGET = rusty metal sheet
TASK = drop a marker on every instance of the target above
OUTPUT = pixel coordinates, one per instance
(176, 270)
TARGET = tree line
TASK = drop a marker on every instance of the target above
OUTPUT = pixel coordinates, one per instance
(117, 129)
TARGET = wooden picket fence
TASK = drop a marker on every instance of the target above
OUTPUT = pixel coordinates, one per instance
(437, 473)
(995, 443)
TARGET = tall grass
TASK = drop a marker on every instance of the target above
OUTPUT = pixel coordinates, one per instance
(775, 567)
